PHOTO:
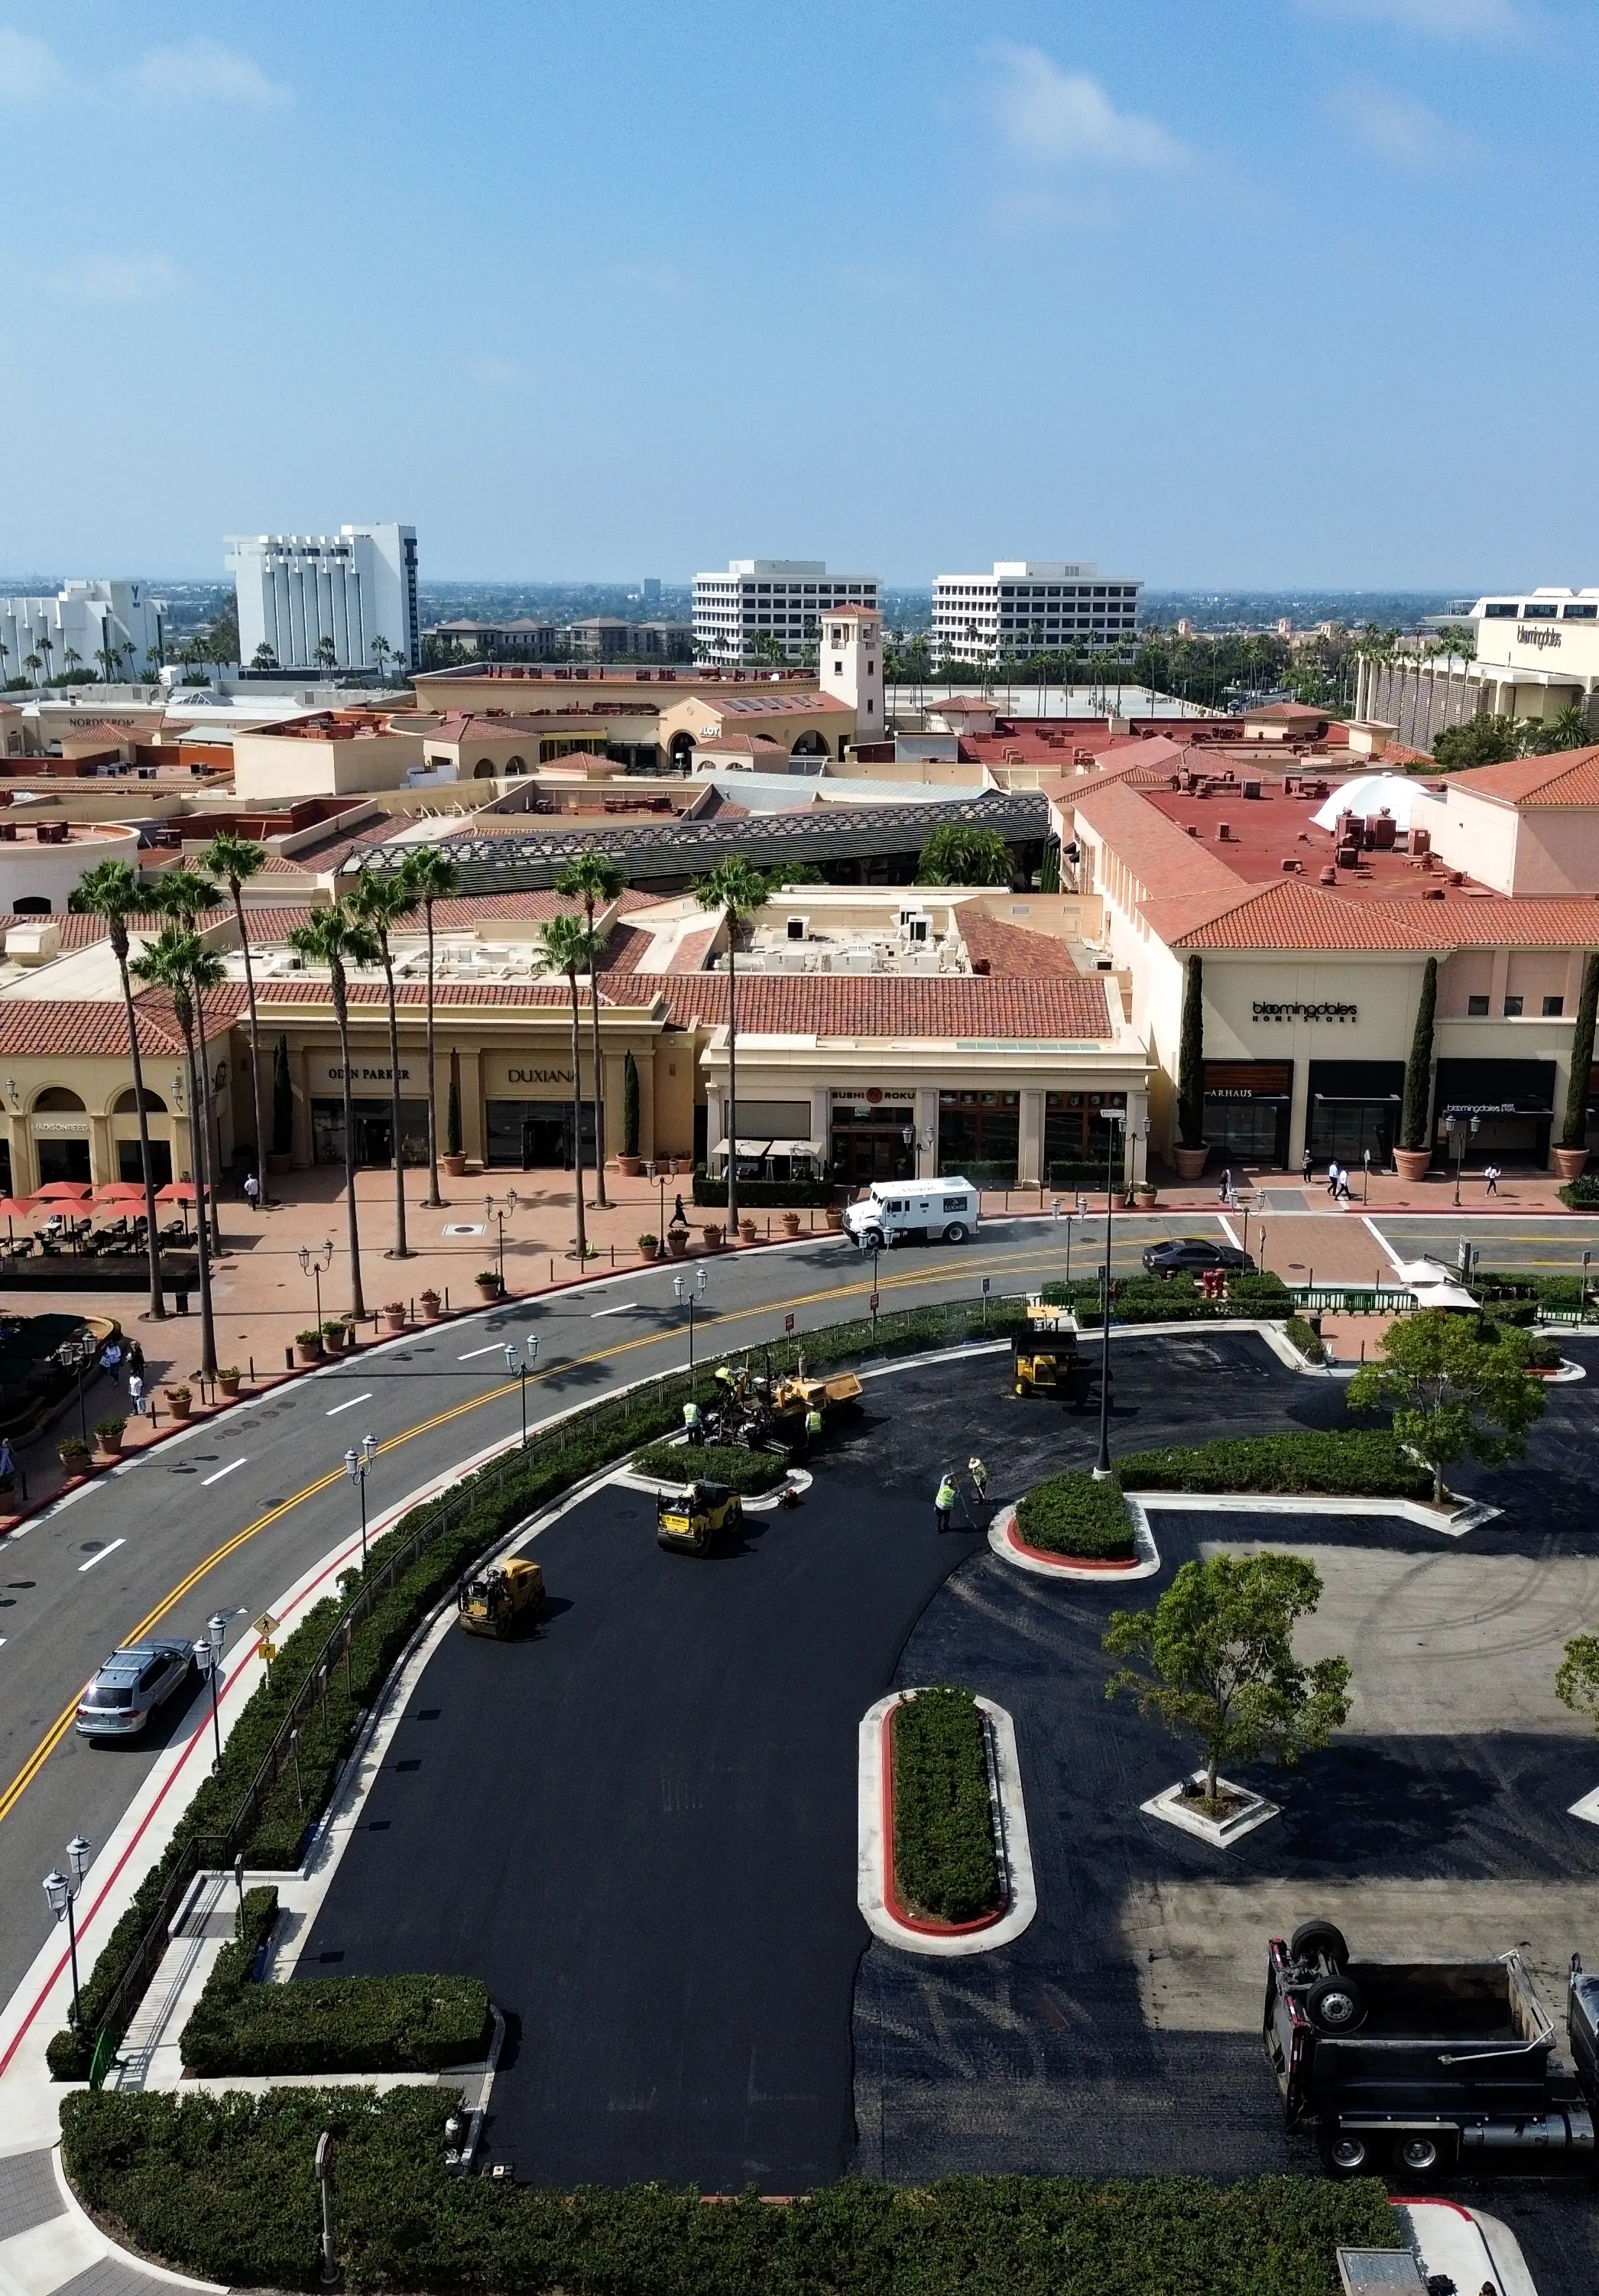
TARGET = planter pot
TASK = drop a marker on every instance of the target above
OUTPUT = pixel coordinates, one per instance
(677, 1242)
(429, 1302)
(1190, 1163)
(228, 1389)
(791, 1223)
(630, 1167)
(394, 1321)
(75, 1463)
(175, 1411)
(835, 1218)
(453, 1167)
(1412, 1164)
(108, 1446)
(489, 1293)
(1148, 1198)
(1568, 1164)
(715, 1236)
(305, 1353)
(650, 1252)
(746, 1229)
(333, 1341)
(279, 1164)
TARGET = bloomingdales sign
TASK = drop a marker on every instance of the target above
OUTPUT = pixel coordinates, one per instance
(1306, 1012)
(1530, 634)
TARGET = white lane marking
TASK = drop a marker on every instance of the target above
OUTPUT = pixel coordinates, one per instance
(104, 1551)
(1390, 1253)
(350, 1406)
(496, 1347)
(1229, 1231)
(624, 1307)
(216, 1478)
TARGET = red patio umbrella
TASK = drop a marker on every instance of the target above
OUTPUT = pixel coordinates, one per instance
(177, 1192)
(10, 1205)
(62, 1192)
(120, 1192)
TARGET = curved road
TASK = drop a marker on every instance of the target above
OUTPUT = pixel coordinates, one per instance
(227, 1517)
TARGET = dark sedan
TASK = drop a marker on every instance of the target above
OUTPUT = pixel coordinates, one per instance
(1191, 1255)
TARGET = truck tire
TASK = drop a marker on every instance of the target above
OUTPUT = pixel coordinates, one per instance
(873, 1240)
(1346, 2151)
(1335, 2004)
(1320, 1940)
(1418, 2153)
(956, 1232)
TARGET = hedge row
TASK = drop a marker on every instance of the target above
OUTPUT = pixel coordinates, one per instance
(327, 2024)
(1073, 1514)
(1353, 1462)
(749, 1473)
(223, 2187)
(1305, 1340)
(1174, 1300)
(763, 1195)
(944, 1860)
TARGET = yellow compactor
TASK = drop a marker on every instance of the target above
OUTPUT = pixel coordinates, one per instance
(498, 1600)
(692, 1519)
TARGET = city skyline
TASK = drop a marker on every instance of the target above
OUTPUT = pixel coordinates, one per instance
(1211, 305)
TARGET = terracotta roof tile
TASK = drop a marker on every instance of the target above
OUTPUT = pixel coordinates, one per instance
(1569, 777)
(892, 1006)
(1012, 952)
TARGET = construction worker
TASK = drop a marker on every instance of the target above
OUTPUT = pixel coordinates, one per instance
(812, 1425)
(979, 1475)
(944, 1502)
(694, 1426)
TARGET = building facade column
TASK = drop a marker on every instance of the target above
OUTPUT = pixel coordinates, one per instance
(471, 1063)
(926, 1131)
(103, 1153)
(1030, 1140)
(300, 1148)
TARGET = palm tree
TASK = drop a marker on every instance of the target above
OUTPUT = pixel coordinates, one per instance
(72, 660)
(111, 890)
(738, 888)
(381, 900)
(44, 649)
(433, 876)
(592, 877)
(175, 961)
(187, 895)
(32, 663)
(235, 859)
(327, 653)
(380, 650)
(108, 658)
(566, 946)
(334, 937)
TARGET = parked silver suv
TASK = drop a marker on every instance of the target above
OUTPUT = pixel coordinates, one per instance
(132, 1685)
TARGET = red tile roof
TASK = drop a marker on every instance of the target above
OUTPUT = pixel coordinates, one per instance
(1012, 952)
(693, 948)
(892, 1006)
(1569, 778)
(1292, 914)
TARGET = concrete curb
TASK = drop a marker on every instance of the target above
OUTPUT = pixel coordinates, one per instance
(109, 2252)
(1004, 1538)
(1467, 1517)
(1014, 1848)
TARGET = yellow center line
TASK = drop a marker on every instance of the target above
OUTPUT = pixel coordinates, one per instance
(152, 1618)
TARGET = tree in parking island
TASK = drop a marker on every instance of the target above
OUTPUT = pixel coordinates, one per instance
(1451, 1392)
(1218, 1647)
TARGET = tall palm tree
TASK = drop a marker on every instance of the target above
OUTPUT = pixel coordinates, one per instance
(334, 937)
(381, 900)
(433, 877)
(187, 895)
(32, 664)
(738, 888)
(175, 961)
(43, 646)
(566, 946)
(111, 890)
(594, 877)
(235, 859)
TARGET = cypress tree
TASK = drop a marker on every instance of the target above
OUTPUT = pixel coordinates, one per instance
(1418, 1070)
(282, 1101)
(453, 1134)
(630, 1105)
(1190, 1059)
(1575, 1130)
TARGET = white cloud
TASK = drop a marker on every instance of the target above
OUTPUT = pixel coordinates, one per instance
(202, 70)
(115, 278)
(1058, 116)
(1398, 128)
(29, 70)
(1450, 20)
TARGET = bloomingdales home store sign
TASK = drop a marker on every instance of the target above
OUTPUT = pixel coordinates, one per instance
(1306, 1012)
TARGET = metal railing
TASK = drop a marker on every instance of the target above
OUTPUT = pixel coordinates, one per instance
(1353, 1299)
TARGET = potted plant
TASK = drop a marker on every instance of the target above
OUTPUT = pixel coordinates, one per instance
(1147, 1194)
(429, 1301)
(791, 1223)
(178, 1400)
(394, 1315)
(714, 1233)
(108, 1436)
(650, 1245)
(629, 1163)
(746, 1229)
(74, 1454)
(333, 1336)
(489, 1286)
(677, 1240)
(308, 1347)
(834, 1216)
(227, 1380)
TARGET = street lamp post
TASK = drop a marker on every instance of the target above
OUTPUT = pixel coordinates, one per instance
(355, 1465)
(1115, 1119)
(314, 1263)
(60, 1891)
(500, 1212)
(1461, 1131)
(520, 1366)
(1582, 1301)
(207, 1653)
(692, 1293)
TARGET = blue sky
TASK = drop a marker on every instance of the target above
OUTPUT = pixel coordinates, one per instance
(1254, 291)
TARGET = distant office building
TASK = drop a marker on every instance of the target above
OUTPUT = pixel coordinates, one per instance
(301, 594)
(523, 639)
(1031, 606)
(111, 629)
(778, 599)
(649, 589)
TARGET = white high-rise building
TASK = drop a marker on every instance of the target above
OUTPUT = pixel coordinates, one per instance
(780, 598)
(112, 629)
(301, 595)
(1030, 605)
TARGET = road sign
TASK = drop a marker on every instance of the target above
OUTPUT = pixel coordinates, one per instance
(788, 1322)
(986, 1281)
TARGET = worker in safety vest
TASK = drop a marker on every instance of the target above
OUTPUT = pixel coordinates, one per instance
(693, 1423)
(812, 1424)
(944, 1505)
(979, 1475)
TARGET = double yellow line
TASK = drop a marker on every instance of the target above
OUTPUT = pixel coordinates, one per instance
(41, 1753)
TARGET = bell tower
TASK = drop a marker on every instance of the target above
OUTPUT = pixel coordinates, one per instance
(850, 665)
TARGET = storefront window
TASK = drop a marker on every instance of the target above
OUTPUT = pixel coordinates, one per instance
(1079, 1138)
(872, 1140)
(531, 1133)
(979, 1137)
(374, 1131)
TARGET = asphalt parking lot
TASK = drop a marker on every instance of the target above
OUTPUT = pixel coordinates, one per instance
(640, 1828)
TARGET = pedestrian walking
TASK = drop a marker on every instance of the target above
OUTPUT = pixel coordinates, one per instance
(135, 1359)
(1307, 1165)
(1491, 1174)
(110, 1360)
(1332, 1176)
(1225, 1192)
(252, 1190)
(1344, 1185)
(8, 1461)
(135, 1393)
(680, 1217)
(944, 1505)
(979, 1475)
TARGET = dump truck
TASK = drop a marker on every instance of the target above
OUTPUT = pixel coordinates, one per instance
(1043, 1354)
(1413, 2069)
(694, 1519)
(498, 1600)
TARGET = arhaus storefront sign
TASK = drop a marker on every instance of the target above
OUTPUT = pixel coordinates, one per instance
(1306, 1012)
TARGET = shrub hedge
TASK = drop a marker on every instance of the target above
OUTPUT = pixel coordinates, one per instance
(749, 1473)
(1175, 1300)
(1345, 1463)
(945, 1859)
(327, 2024)
(1580, 1194)
(223, 2187)
(762, 1195)
(1073, 1514)
(1305, 1340)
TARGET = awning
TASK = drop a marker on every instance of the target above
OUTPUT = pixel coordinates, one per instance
(770, 1148)
(1434, 1285)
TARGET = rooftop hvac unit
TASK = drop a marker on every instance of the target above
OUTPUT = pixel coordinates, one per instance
(798, 927)
(859, 959)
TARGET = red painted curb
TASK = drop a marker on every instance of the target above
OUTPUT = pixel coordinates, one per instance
(891, 1898)
(1071, 1562)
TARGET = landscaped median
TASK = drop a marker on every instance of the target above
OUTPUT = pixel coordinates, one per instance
(747, 1472)
(327, 2024)
(225, 2188)
(1342, 1463)
(1078, 1519)
(944, 1868)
